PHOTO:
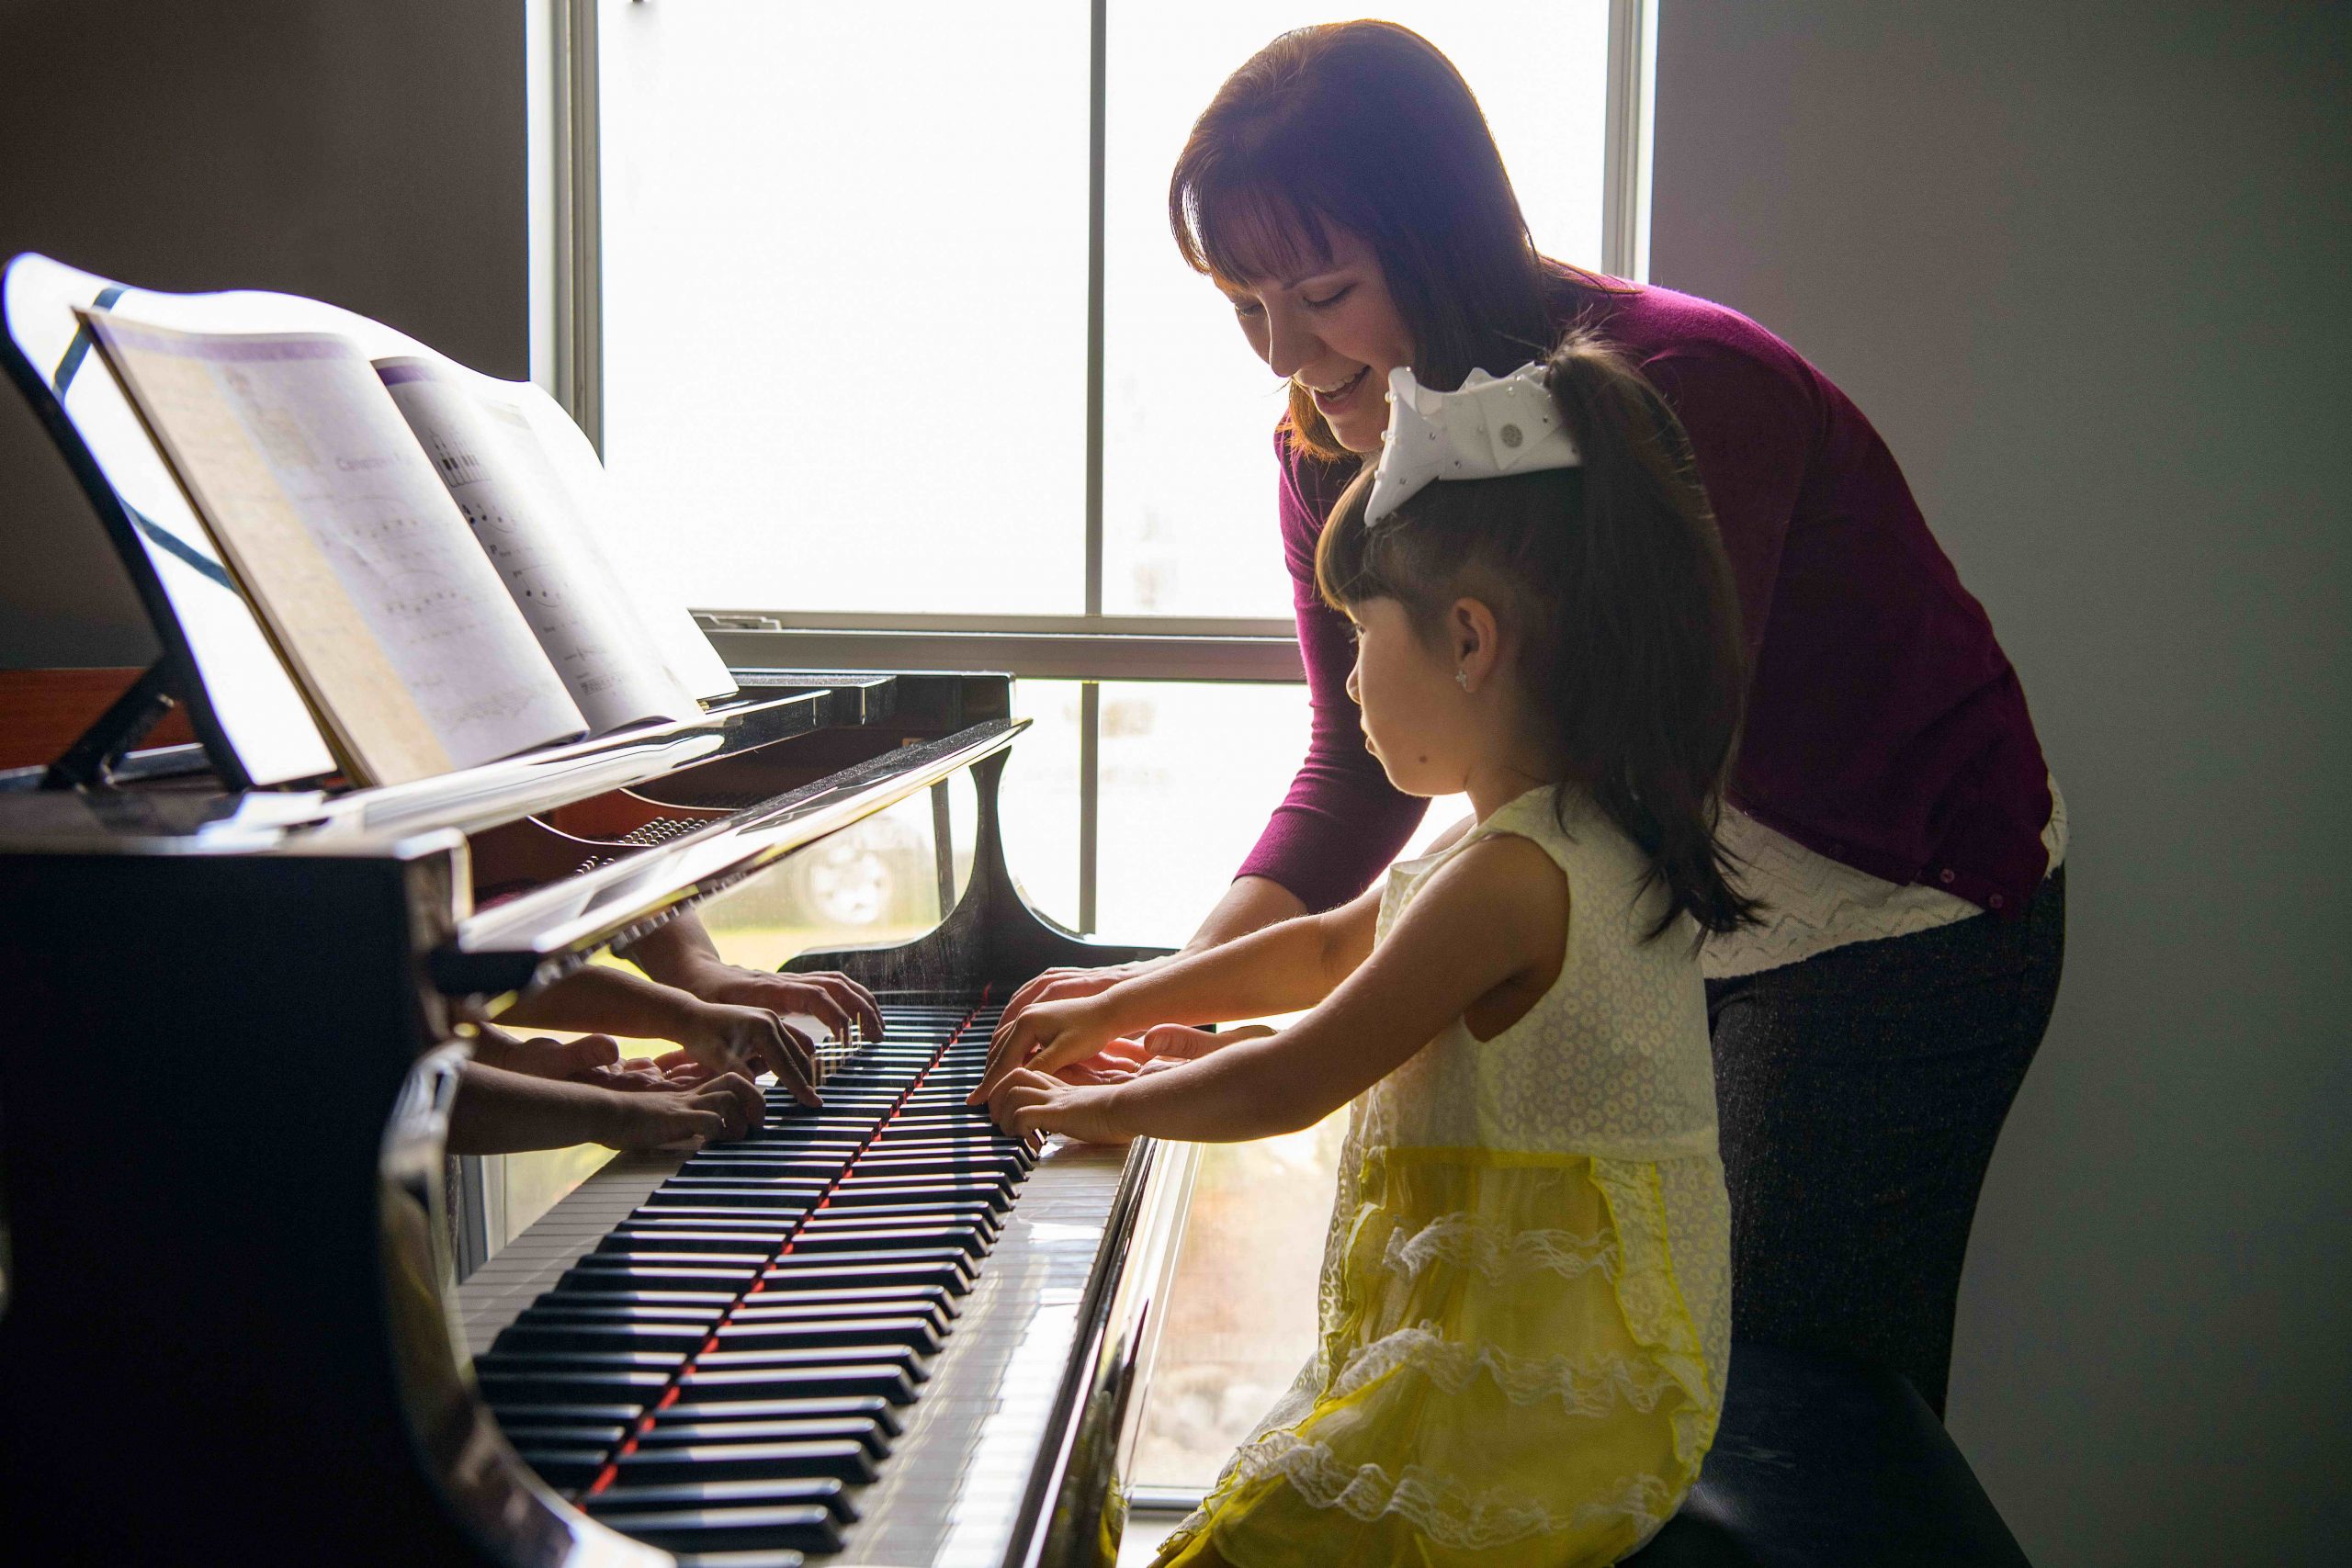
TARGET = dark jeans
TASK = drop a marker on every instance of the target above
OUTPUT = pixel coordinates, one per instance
(1861, 1094)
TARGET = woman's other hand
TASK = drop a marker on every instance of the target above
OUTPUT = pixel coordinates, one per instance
(846, 1008)
(1031, 1104)
(724, 1107)
(1070, 984)
(728, 1039)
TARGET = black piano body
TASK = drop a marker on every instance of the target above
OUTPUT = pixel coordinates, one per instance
(233, 1023)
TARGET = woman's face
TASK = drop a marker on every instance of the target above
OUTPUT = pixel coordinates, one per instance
(1335, 332)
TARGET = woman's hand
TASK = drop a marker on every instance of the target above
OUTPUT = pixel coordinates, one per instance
(1030, 1104)
(724, 1107)
(1070, 984)
(728, 1039)
(845, 1007)
(542, 1057)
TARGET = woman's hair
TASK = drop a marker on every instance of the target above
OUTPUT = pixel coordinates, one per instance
(1366, 127)
(1613, 580)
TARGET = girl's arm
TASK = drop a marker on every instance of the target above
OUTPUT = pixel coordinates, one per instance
(722, 1037)
(1498, 913)
(1282, 968)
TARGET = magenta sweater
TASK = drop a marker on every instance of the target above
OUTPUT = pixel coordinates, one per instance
(1886, 728)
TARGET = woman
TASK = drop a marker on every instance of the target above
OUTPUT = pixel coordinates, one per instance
(1890, 800)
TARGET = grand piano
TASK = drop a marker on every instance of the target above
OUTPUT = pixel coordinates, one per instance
(253, 1311)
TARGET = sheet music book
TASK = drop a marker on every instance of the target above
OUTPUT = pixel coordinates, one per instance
(412, 552)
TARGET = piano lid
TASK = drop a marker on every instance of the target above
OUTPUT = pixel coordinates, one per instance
(535, 935)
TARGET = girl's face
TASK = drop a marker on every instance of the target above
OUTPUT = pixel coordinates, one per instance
(1335, 332)
(1416, 720)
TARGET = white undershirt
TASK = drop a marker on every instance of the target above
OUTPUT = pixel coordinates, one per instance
(1813, 903)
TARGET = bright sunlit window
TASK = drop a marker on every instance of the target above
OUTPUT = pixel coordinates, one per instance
(845, 330)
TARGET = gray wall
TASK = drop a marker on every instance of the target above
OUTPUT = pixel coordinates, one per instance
(364, 152)
(2085, 267)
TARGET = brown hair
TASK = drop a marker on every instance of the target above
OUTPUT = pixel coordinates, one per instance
(1367, 127)
(1614, 579)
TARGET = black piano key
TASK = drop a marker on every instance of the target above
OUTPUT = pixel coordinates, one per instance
(815, 1271)
(786, 1200)
(859, 1379)
(828, 1238)
(565, 1467)
(814, 1490)
(852, 1194)
(633, 1270)
(708, 1462)
(667, 1242)
(746, 1169)
(865, 1407)
(749, 1217)
(762, 1358)
(587, 1310)
(713, 1529)
(509, 1388)
(779, 1299)
(919, 1333)
(868, 1433)
(524, 1336)
(899, 1167)
(559, 1415)
(951, 1259)
(532, 1434)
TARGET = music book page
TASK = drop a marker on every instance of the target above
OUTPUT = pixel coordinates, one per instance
(489, 461)
(353, 555)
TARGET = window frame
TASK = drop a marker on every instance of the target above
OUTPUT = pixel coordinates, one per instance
(567, 330)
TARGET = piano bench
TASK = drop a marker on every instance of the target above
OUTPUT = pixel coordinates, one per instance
(1822, 1463)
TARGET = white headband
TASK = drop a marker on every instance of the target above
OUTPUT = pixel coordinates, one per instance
(1488, 428)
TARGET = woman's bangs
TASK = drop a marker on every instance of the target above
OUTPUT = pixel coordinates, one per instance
(1247, 231)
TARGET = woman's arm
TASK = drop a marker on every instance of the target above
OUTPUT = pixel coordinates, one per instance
(1498, 913)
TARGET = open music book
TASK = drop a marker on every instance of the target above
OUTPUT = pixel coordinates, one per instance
(426, 568)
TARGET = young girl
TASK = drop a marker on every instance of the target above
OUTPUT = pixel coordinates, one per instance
(1524, 1303)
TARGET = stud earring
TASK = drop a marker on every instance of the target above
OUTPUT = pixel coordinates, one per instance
(1462, 679)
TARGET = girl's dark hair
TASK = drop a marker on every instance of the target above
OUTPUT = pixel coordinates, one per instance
(1614, 580)
(1366, 126)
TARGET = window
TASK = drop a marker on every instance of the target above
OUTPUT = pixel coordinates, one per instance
(881, 327)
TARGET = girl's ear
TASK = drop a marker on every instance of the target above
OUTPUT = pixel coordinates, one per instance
(1474, 633)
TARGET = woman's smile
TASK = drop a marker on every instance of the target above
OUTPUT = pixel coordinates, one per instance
(1338, 401)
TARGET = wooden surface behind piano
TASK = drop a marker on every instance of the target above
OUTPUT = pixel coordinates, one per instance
(44, 711)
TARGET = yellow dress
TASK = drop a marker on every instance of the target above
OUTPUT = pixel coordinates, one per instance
(1525, 1312)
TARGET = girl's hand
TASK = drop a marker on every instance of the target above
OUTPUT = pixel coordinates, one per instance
(1161, 1046)
(1030, 1104)
(727, 1106)
(750, 1041)
(1048, 1037)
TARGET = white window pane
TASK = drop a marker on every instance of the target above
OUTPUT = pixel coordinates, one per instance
(1190, 774)
(1189, 474)
(845, 300)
